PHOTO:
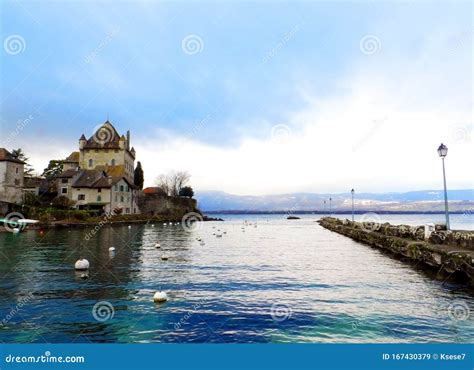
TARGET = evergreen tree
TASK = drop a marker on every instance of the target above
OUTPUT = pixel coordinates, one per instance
(138, 176)
(20, 155)
(186, 191)
(55, 167)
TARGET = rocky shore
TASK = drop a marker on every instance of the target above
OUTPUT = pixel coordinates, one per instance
(451, 253)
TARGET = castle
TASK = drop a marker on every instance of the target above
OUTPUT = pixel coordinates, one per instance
(100, 175)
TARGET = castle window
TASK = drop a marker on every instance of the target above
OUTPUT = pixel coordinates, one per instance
(81, 197)
(121, 188)
(64, 181)
(16, 169)
(121, 199)
(63, 190)
(116, 187)
(90, 162)
(99, 190)
(99, 198)
(112, 162)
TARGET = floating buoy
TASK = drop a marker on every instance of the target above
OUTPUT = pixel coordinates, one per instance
(165, 224)
(16, 230)
(152, 225)
(81, 264)
(219, 236)
(111, 249)
(157, 245)
(225, 232)
(164, 258)
(160, 296)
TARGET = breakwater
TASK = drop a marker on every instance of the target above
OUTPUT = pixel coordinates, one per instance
(450, 252)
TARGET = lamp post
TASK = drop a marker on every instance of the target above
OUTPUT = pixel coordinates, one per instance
(330, 207)
(352, 193)
(442, 152)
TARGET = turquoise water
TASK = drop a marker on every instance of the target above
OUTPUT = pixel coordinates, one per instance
(282, 281)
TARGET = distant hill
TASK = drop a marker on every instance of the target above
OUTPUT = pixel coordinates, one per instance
(413, 201)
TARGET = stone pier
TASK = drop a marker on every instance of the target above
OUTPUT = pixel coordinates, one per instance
(449, 252)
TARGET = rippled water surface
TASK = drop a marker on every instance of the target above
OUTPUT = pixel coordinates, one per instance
(282, 281)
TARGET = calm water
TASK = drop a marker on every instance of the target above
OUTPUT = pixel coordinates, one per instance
(283, 281)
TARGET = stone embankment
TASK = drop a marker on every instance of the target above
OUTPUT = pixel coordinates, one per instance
(449, 252)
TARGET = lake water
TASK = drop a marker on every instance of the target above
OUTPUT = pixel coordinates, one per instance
(282, 281)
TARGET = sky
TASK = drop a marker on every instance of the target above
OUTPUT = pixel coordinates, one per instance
(254, 97)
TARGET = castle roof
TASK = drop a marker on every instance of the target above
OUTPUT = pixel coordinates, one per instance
(5, 155)
(106, 136)
(72, 158)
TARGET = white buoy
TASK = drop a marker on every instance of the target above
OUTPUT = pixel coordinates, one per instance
(129, 226)
(16, 230)
(218, 235)
(152, 225)
(165, 224)
(160, 296)
(164, 258)
(81, 264)
(111, 249)
(157, 245)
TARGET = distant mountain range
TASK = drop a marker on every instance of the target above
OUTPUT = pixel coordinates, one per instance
(413, 201)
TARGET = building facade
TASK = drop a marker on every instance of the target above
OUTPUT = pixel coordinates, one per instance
(100, 174)
(11, 180)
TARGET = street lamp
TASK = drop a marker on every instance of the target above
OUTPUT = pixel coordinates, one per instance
(443, 152)
(352, 193)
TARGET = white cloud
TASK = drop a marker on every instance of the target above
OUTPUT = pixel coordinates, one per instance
(382, 136)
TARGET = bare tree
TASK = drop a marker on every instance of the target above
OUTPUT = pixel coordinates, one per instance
(172, 182)
(163, 182)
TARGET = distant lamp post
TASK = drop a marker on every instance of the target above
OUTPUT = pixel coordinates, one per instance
(330, 207)
(352, 194)
(443, 152)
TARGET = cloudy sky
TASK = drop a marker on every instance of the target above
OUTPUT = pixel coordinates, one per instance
(249, 97)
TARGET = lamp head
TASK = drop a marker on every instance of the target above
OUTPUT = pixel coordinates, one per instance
(442, 150)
